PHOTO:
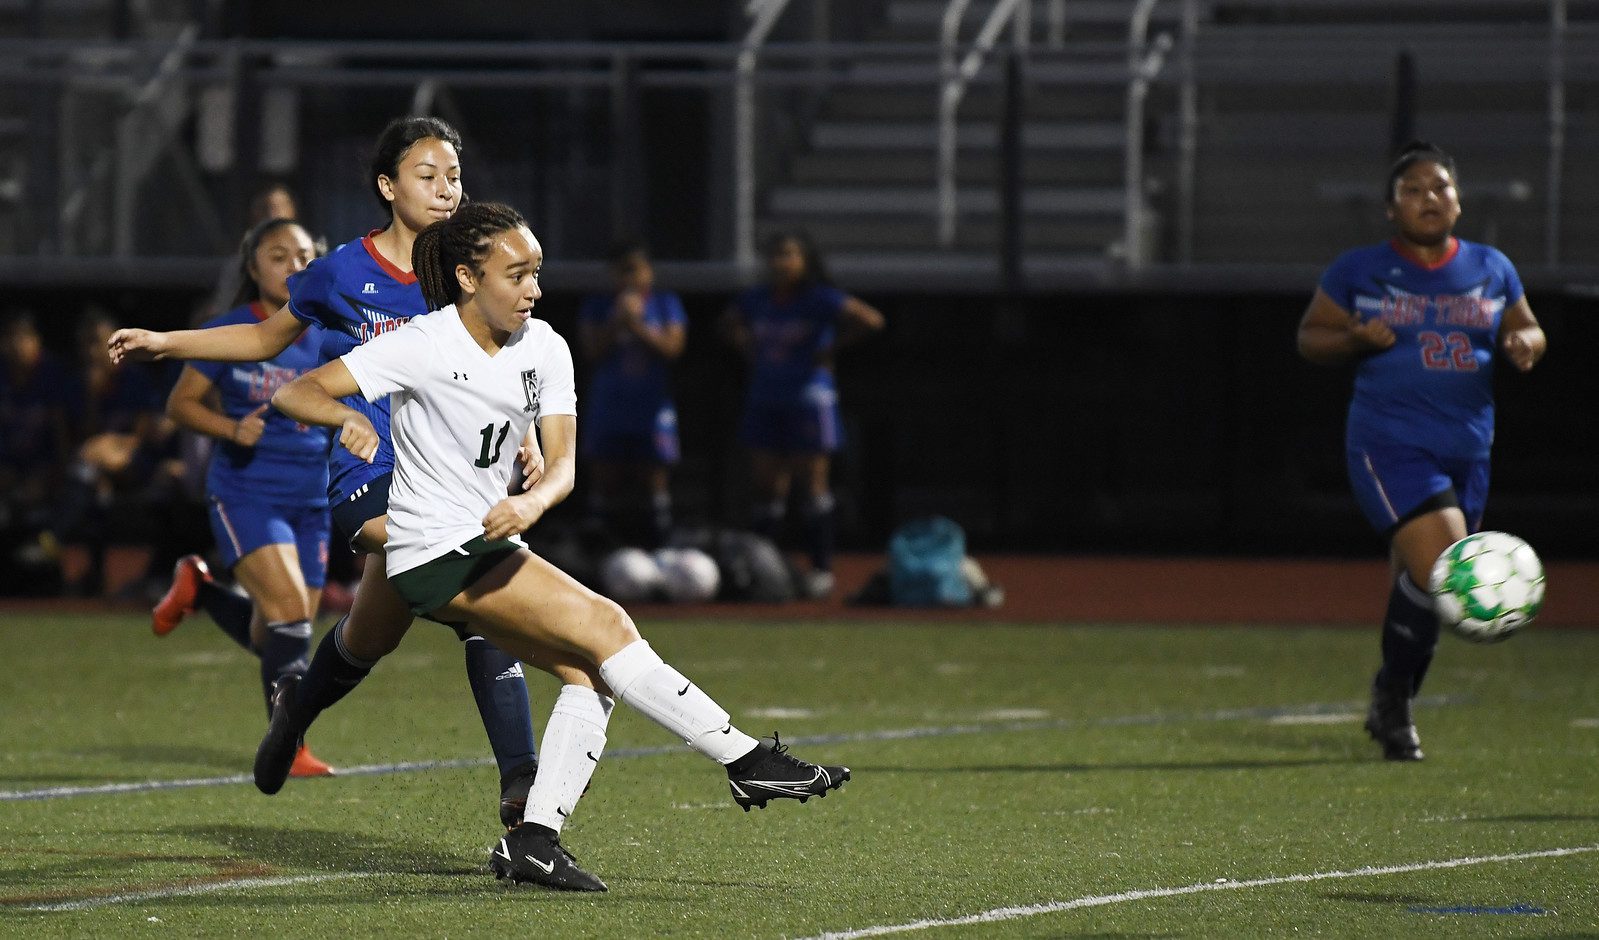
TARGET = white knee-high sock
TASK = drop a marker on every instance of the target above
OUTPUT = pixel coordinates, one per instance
(574, 738)
(641, 679)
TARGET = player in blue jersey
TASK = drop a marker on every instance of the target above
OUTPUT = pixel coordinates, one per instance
(1421, 317)
(360, 290)
(266, 489)
(788, 328)
(632, 335)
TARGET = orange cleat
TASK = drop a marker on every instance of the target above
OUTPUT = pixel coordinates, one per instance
(187, 575)
(307, 764)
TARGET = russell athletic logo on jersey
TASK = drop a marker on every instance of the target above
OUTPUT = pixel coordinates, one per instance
(530, 388)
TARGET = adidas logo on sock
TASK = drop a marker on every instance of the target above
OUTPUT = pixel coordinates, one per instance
(515, 672)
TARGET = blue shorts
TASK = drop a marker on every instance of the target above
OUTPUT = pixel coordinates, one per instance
(658, 446)
(241, 526)
(807, 426)
(1394, 483)
(362, 504)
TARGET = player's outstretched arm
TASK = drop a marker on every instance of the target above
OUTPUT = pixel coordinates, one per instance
(858, 320)
(516, 513)
(313, 398)
(238, 342)
(1521, 337)
(1329, 335)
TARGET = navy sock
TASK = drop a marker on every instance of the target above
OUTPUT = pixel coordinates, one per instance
(1409, 636)
(501, 695)
(332, 674)
(285, 651)
(819, 532)
(231, 612)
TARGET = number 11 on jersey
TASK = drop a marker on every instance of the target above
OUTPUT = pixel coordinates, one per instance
(483, 458)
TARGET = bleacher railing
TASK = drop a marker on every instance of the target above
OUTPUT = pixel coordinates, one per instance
(83, 220)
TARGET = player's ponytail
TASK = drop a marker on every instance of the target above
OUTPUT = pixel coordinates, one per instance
(1417, 151)
(464, 238)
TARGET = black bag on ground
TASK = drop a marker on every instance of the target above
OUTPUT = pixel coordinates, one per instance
(752, 567)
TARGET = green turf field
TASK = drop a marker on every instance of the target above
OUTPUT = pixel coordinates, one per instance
(1077, 781)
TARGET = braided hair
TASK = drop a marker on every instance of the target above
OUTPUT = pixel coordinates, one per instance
(463, 238)
(249, 291)
(1417, 151)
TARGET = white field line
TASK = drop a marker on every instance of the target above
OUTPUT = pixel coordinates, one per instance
(1257, 713)
(189, 890)
(998, 914)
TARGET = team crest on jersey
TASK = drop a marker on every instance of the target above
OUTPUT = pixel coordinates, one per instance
(530, 388)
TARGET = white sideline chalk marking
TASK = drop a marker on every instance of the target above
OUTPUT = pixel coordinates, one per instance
(779, 712)
(190, 890)
(1337, 718)
(1013, 714)
(1585, 722)
(1221, 884)
(888, 734)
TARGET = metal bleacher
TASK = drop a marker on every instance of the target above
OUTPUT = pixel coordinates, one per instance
(1161, 141)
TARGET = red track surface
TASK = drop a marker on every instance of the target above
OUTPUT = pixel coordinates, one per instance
(1042, 588)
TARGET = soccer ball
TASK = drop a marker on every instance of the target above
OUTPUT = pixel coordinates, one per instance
(688, 574)
(1487, 586)
(631, 574)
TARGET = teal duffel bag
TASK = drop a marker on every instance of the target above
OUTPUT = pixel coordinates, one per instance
(924, 564)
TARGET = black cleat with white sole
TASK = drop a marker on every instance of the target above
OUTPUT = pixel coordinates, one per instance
(770, 772)
(1390, 724)
(533, 854)
(275, 754)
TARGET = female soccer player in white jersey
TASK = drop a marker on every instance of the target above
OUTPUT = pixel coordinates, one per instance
(360, 290)
(462, 382)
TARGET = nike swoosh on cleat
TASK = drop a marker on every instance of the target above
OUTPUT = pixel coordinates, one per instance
(502, 851)
(728, 730)
(684, 690)
(545, 867)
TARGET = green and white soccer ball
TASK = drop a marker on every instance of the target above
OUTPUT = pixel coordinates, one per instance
(1487, 586)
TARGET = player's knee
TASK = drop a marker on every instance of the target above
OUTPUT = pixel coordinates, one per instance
(609, 624)
(370, 639)
(282, 608)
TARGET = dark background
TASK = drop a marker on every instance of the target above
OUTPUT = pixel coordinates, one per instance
(1145, 423)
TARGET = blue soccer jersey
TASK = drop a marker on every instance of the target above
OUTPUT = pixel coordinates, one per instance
(353, 293)
(631, 384)
(792, 338)
(288, 465)
(1432, 389)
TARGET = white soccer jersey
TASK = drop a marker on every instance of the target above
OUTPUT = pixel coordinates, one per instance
(458, 415)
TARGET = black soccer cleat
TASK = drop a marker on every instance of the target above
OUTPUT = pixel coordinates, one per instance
(770, 772)
(514, 787)
(1389, 723)
(532, 854)
(275, 755)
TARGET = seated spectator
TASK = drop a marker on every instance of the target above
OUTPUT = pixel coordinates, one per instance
(37, 399)
(127, 448)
